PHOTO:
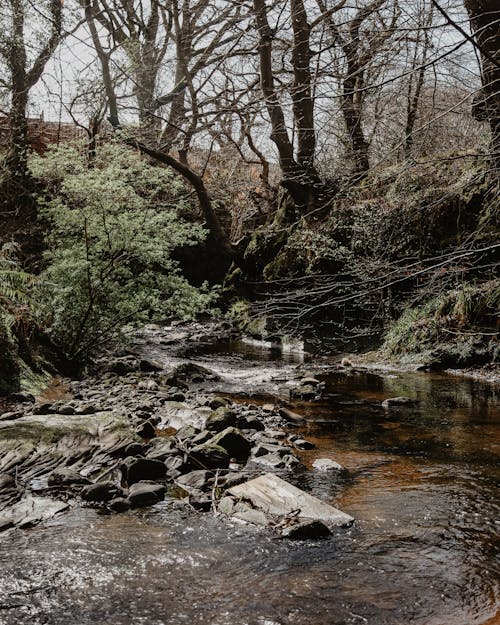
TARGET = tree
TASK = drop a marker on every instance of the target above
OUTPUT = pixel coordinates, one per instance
(25, 70)
(485, 23)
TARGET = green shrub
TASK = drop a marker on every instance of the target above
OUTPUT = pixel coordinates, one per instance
(112, 230)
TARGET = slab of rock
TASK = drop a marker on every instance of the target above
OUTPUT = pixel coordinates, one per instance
(11, 415)
(275, 496)
(195, 479)
(29, 511)
(63, 476)
(325, 464)
(100, 492)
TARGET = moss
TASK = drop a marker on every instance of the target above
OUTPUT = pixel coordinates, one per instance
(240, 315)
(455, 328)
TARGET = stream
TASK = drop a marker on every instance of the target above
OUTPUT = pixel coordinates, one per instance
(422, 482)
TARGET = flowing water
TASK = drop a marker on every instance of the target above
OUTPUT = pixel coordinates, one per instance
(421, 481)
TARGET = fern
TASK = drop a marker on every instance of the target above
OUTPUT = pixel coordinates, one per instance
(14, 291)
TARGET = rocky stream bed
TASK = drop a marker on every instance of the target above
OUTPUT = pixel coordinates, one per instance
(194, 431)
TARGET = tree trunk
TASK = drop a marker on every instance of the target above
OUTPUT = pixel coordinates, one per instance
(485, 23)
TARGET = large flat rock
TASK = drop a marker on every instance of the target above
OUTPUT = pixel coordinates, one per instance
(273, 495)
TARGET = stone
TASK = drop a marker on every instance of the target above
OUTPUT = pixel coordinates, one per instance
(100, 492)
(145, 469)
(11, 415)
(21, 397)
(161, 448)
(218, 402)
(226, 505)
(63, 476)
(190, 372)
(134, 449)
(66, 409)
(301, 443)
(290, 416)
(186, 432)
(250, 422)
(303, 392)
(42, 408)
(119, 504)
(246, 513)
(195, 479)
(305, 530)
(272, 495)
(209, 456)
(263, 449)
(146, 430)
(234, 442)
(398, 401)
(177, 396)
(84, 409)
(150, 365)
(273, 461)
(325, 464)
(221, 419)
(309, 381)
(145, 494)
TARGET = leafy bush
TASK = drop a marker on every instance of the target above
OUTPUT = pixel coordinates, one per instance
(112, 230)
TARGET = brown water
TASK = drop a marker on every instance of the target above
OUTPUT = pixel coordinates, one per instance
(422, 483)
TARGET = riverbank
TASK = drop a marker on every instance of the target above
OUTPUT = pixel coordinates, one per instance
(140, 430)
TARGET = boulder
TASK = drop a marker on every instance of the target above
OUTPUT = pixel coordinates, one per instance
(221, 419)
(145, 494)
(144, 469)
(263, 449)
(209, 456)
(290, 416)
(218, 402)
(275, 496)
(119, 504)
(43, 408)
(306, 530)
(234, 442)
(133, 449)
(85, 408)
(146, 430)
(100, 492)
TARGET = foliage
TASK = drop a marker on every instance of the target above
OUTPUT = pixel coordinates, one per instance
(14, 292)
(112, 229)
(462, 319)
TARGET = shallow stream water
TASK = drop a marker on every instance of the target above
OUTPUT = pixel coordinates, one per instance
(423, 483)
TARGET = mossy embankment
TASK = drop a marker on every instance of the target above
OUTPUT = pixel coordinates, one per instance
(406, 259)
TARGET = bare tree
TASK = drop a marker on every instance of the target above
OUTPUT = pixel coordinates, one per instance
(25, 70)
